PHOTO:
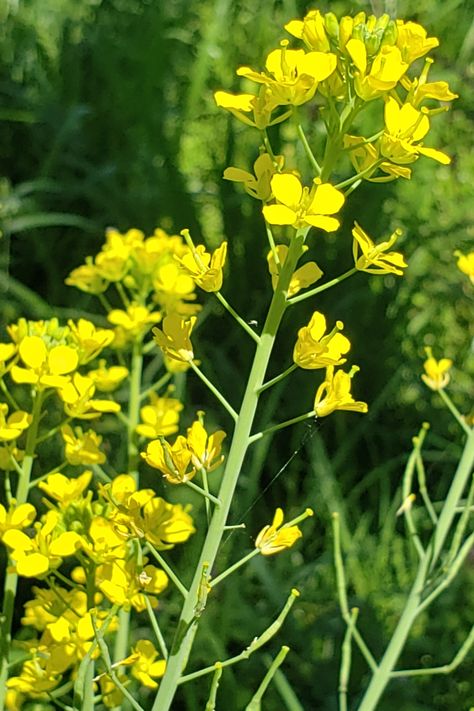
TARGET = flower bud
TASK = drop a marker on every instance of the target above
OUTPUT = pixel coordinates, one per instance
(390, 35)
(332, 25)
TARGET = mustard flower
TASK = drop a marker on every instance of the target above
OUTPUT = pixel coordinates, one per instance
(405, 126)
(7, 351)
(78, 398)
(436, 375)
(366, 159)
(261, 107)
(8, 454)
(165, 524)
(124, 584)
(412, 40)
(17, 517)
(159, 417)
(34, 557)
(335, 393)
(175, 461)
(205, 269)
(314, 350)
(43, 367)
(88, 340)
(276, 537)
(88, 278)
(174, 289)
(465, 264)
(105, 379)
(376, 259)
(82, 447)
(298, 206)
(147, 668)
(205, 449)
(373, 79)
(33, 680)
(12, 426)
(301, 278)
(257, 185)
(311, 30)
(292, 75)
(174, 337)
(111, 695)
(420, 89)
(133, 322)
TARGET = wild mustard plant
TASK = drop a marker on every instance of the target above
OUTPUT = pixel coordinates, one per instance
(94, 538)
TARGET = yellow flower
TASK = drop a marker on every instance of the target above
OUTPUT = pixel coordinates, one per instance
(365, 157)
(335, 393)
(436, 374)
(311, 30)
(292, 74)
(261, 106)
(166, 524)
(44, 368)
(33, 680)
(205, 269)
(315, 350)
(146, 669)
(14, 425)
(64, 489)
(303, 277)
(420, 89)
(78, 398)
(174, 288)
(298, 206)
(88, 340)
(258, 185)
(7, 351)
(466, 263)
(125, 584)
(277, 536)
(376, 259)
(87, 278)
(107, 379)
(7, 455)
(405, 126)
(412, 41)
(205, 449)
(82, 447)
(16, 517)
(173, 461)
(133, 322)
(174, 339)
(160, 417)
(35, 556)
(373, 79)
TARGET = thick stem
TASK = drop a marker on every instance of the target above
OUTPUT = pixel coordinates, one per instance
(188, 622)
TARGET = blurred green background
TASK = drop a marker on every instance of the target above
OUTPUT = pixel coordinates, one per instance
(107, 119)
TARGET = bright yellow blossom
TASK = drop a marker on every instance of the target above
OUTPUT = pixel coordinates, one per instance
(125, 584)
(436, 375)
(106, 380)
(205, 269)
(135, 321)
(44, 368)
(87, 278)
(7, 351)
(33, 680)
(257, 185)
(292, 74)
(301, 278)
(311, 30)
(174, 289)
(382, 75)
(412, 41)
(261, 106)
(16, 517)
(277, 536)
(89, 340)
(465, 263)
(376, 259)
(205, 449)
(173, 461)
(147, 668)
(314, 350)
(12, 426)
(82, 447)
(298, 206)
(78, 398)
(160, 417)
(405, 126)
(366, 159)
(174, 338)
(335, 393)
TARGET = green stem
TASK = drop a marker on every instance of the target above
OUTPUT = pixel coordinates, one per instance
(188, 622)
(234, 567)
(277, 378)
(168, 570)
(156, 386)
(256, 701)
(203, 492)
(214, 391)
(323, 287)
(11, 579)
(211, 702)
(238, 318)
(455, 412)
(308, 150)
(346, 658)
(282, 425)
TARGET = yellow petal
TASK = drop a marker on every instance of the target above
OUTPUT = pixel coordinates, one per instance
(279, 215)
(287, 189)
(33, 351)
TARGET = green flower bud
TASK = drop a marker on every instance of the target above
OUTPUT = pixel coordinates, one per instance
(390, 35)
(332, 25)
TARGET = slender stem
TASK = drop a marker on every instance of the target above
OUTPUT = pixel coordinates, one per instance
(346, 658)
(188, 623)
(407, 490)
(256, 700)
(455, 412)
(272, 244)
(277, 378)
(445, 668)
(156, 386)
(214, 391)
(170, 572)
(323, 287)
(205, 486)
(238, 318)
(203, 492)
(308, 150)
(156, 628)
(11, 578)
(357, 177)
(211, 702)
(234, 567)
(282, 425)
(420, 468)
